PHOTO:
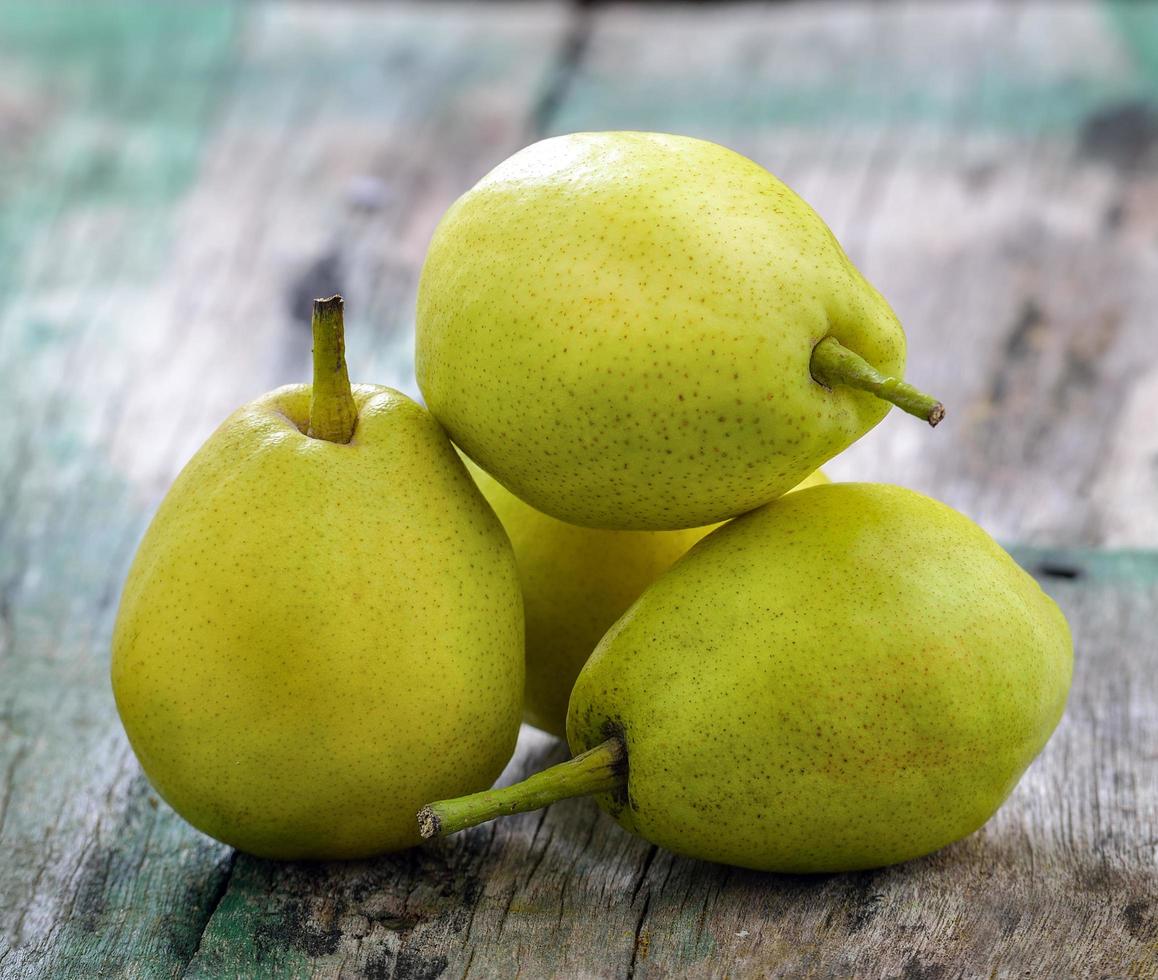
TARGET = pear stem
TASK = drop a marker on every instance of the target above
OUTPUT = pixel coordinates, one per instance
(834, 364)
(333, 413)
(597, 770)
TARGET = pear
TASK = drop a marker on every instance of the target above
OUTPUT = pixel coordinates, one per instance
(576, 582)
(648, 332)
(851, 676)
(322, 626)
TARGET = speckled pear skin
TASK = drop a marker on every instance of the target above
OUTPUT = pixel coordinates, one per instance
(849, 677)
(314, 639)
(618, 328)
(576, 582)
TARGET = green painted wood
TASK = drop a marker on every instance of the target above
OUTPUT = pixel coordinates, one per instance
(108, 108)
(186, 178)
(177, 181)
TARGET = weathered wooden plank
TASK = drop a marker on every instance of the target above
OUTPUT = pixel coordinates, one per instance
(185, 176)
(182, 179)
(85, 194)
(1062, 882)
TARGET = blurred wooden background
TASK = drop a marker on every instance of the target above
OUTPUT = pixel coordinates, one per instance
(178, 180)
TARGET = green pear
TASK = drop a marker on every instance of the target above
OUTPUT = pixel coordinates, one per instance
(648, 332)
(322, 626)
(849, 677)
(576, 582)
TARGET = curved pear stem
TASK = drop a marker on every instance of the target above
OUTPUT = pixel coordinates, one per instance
(597, 770)
(834, 364)
(333, 413)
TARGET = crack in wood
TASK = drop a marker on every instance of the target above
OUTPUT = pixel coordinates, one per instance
(18, 757)
(641, 945)
(534, 839)
(215, 899)
(652, 851)
(569, 58)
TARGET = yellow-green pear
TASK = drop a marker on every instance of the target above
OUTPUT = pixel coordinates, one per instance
(850, 676)
(642, 331)
(576, 581)
(322, 626)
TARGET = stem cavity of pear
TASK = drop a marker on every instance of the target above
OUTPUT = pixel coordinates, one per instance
(834, 364)
(333, 413)
(598, 770)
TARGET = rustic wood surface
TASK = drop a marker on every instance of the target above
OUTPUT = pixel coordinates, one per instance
(178, 180)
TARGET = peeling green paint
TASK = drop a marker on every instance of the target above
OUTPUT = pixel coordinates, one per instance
(103, 115)
(1024, 86)
(115, 99)
(1062, 570)
(1136, 25)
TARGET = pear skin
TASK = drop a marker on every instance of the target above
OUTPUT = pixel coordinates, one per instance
(624, 330)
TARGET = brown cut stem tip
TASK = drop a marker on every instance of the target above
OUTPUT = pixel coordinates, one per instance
(428, 823)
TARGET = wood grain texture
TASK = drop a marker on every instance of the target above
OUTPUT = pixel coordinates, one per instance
(187, 178)
(1062, 882)
(178, 181)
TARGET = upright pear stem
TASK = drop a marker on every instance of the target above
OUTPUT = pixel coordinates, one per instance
(597, 770)
(834, 364)
(333, 413)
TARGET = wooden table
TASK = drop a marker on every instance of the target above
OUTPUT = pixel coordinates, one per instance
(177, 181)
